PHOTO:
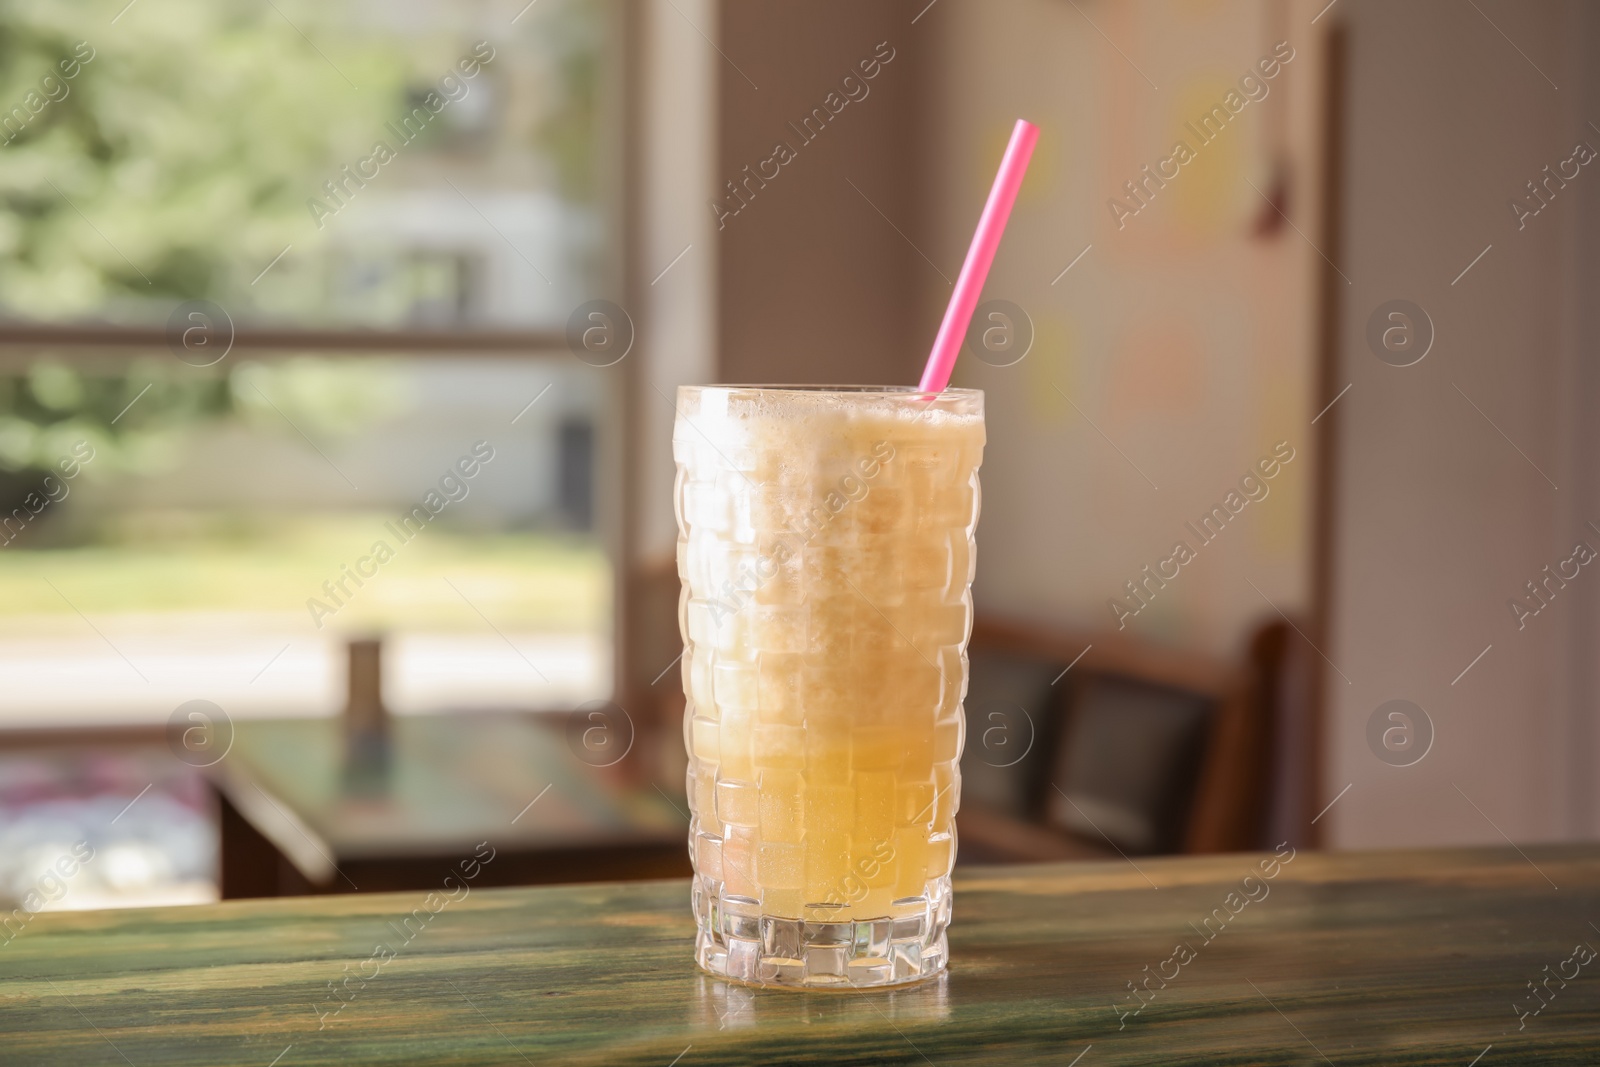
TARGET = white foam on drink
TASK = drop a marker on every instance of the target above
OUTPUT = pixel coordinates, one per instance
(779, 419)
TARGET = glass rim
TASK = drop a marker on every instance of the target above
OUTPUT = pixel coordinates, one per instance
(895, 391)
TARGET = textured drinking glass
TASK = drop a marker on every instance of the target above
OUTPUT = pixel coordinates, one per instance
(825, 542)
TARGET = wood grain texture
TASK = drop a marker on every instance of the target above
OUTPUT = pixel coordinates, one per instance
(1393, 958)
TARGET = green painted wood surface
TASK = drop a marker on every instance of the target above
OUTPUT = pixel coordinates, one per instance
(1392, 958)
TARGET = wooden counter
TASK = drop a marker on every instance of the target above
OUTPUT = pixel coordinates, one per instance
(1393, 958)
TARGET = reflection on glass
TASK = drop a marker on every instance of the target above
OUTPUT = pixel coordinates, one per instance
(721, 1005)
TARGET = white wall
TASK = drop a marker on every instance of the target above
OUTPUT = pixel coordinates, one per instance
(1183, 340)
(1441, 517)
(1192, 345)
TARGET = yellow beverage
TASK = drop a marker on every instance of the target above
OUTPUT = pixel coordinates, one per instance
(826, 551)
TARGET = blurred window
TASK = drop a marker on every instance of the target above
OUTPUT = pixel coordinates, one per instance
(380, 163)
(402, 194)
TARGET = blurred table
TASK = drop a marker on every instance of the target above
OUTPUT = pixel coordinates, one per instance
(294, 819)
(1369, 958)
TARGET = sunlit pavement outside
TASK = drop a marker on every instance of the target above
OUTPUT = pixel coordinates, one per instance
(137, 669)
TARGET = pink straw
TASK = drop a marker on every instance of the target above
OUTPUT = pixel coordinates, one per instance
(969, 285)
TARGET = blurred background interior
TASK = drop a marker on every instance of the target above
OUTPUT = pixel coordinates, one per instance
(284, 283)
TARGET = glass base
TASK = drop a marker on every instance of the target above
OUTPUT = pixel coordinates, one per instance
(735, 940)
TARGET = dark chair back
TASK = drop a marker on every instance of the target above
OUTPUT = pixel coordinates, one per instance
(1128, 761)
(1136, 748)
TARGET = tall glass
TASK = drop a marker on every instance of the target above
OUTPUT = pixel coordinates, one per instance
(825, 542)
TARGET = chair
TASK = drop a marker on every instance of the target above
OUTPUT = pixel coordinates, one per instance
(1134, 750)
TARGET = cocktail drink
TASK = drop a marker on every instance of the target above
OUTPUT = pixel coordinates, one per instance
(826, 550)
